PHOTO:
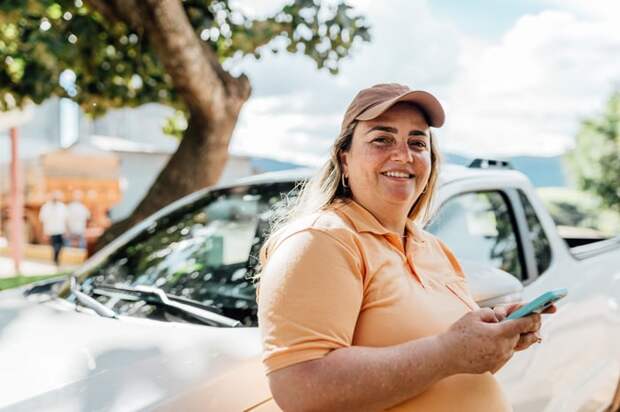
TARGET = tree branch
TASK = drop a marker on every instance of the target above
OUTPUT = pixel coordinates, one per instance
(125, 11)
(193, 66)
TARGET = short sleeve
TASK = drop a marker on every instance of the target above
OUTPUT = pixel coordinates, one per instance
(311, 292)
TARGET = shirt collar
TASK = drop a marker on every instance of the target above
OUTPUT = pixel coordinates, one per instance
(364, 221)
(361, 219)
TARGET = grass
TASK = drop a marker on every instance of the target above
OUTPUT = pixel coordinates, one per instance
(15, 281)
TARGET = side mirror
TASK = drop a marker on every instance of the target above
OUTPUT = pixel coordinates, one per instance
(491, 286)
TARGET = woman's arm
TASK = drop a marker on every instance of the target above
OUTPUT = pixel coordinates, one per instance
(363, 378)
(360, 378)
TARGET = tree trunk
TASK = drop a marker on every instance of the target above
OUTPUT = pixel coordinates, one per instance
(197, 163)
(213, 97)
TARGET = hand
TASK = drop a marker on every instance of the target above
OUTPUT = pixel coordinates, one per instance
(528, 339)
(479, 342)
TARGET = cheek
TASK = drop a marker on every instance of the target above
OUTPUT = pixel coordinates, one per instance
(423, 164)
(367, 161)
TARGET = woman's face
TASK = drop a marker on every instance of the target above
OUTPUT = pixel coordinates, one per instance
(389, 161)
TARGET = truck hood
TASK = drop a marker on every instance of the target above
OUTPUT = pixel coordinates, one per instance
(55, 358)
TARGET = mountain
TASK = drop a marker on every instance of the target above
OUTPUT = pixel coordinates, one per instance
(263, 164)
(542, 171)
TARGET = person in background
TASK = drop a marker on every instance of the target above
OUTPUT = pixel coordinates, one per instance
(77, 217)
(53, 216)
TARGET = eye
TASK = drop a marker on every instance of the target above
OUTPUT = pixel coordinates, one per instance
(417, 143)
(382, 140)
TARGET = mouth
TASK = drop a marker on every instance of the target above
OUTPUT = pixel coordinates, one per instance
(398, 175)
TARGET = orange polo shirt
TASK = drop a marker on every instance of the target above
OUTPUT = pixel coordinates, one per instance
(338, 278)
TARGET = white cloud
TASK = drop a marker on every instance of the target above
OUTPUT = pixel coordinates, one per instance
(598, 9)
(302, 106)
(266, 130)
(522, 93)
(527, 93)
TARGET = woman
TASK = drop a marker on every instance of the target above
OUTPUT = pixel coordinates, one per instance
(359, 308)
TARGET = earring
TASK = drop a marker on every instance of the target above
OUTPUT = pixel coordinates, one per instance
(344, 183)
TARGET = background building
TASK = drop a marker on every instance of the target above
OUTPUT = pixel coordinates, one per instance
(113, 160)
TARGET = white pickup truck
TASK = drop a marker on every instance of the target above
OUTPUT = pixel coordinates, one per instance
(164, 317)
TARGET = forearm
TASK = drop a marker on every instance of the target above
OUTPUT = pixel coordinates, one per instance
(362, 378)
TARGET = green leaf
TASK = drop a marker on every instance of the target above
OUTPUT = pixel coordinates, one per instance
(37, 45)
(595, 160)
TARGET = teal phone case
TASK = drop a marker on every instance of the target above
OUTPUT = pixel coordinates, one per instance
(539, 304)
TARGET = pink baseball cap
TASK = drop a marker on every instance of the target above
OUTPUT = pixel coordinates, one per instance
(372, 102)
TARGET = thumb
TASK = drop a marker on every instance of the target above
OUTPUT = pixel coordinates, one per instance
(516, 326)
(512, 307)
(487, 315)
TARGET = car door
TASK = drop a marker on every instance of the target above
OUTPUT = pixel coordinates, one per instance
(576, 367)
(500, 228)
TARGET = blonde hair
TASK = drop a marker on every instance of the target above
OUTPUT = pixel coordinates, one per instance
(326, 187)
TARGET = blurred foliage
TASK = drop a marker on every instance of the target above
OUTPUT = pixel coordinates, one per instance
(176, 124)
(108, 65)
(595, 161)
(574, 208)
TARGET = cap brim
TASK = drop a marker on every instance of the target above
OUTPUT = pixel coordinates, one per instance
(428, 103)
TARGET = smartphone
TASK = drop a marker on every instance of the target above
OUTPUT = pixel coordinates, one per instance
(539, 304)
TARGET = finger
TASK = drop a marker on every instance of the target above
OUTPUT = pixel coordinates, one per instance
(500, 312)
(534, 324)
(526, 340)
(526, 324)
(487, 315)
(550, 309)
(513, 307)
(537, 319)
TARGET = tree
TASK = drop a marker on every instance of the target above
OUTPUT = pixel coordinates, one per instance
(125, 53)
(595, 160)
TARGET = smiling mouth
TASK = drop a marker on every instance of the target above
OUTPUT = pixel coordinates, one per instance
(398, 175)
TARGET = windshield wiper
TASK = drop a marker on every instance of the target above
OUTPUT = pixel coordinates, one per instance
(89, 302)
(143, 291)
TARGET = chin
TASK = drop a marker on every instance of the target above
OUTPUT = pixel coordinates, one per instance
(399, 198)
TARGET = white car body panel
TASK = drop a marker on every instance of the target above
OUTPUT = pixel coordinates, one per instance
(80, 361)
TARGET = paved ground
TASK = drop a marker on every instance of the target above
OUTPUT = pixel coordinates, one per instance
(39, 260)
(28, 267)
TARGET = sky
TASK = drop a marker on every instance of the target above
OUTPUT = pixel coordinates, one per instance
(514, 77)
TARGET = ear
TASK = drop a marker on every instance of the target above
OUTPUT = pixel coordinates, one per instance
(343, 157)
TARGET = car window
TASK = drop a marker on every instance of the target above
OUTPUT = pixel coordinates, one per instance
(479, 226)
(206, 251)
(540, 242)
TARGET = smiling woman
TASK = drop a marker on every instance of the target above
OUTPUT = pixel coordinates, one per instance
(361, 309)
(389, 167)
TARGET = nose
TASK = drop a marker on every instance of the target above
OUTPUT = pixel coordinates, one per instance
(402, 152)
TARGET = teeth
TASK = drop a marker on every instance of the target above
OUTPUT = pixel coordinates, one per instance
(396, 174)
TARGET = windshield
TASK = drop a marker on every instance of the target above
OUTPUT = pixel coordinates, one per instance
(206, 252)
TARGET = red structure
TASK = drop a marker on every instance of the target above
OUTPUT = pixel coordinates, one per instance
(16, 240)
